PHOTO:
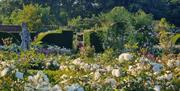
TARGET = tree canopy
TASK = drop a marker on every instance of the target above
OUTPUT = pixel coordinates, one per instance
(61, 11)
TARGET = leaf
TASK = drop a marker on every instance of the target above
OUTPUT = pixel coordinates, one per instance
(175, 38)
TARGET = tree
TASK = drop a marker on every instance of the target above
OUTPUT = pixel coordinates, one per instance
(117, 23)
(124, 30)
(81, 24)
(7, 7)
(34, 15)
(143, 24)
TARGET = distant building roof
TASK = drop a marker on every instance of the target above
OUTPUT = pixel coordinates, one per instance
(10, 28)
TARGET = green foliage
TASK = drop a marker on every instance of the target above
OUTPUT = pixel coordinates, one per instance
(117, 22)
(116, 15)
(4, 55)
(125, 31)
(11, 83)
(108, 56)
(30, 60)
(74, 22)
(87, 51)
(7, 7)
(175, 38)
(81, 24)
(142, 19)
(119, 28)
(34, 15)
(93, 39)
(139, 78)
(165, 37)
(61, 11)
(132, 43)
(64, 17)
(87, 38)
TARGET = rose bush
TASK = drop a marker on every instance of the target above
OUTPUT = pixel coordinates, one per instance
(87, 74)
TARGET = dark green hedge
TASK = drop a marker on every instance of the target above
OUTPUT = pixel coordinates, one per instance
(16, 38)
(64, 39)
(93, 39)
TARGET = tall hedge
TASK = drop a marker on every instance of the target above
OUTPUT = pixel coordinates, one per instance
(93, 39)
(64, 39)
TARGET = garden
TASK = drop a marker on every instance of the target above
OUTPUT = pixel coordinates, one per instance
(116, 50)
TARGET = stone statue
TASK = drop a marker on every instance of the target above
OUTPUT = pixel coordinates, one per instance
(25, 37)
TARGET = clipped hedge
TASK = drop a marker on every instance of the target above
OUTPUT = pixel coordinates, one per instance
(16, 38)
(61, 39)
(93, 39)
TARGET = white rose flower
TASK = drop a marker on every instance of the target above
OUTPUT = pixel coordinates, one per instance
(30, 78)
(4, 71)
(130, 68)
(39, 82)
(46, 78)
(144, 59)
(64, 76)
(170, 63)
(97, 75)
(63, 67)
(109, 68)
(140, 66)
(55, 63)
(43, 89)
(48, 64)
(56, 88)
(72, 67)
(3, 63)
(13, 66)
(64, 81)
(95, 66)
(157, 88)
(177, 63)
(77, 61)
(168, 76)
(125, 57)
(38, 75)
(111, 81)
(74, 87)
(116, 72)
(82, 64)
(160, 78)
(87, 66)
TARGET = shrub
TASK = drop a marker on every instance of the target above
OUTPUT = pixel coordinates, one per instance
(87, 51)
